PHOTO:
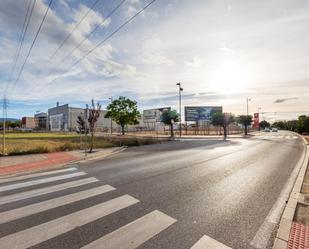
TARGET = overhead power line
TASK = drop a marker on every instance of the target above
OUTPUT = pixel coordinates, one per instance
(75, 27)
(5, 104)
(20, 39)
(105, 39)
(96, 28)
(33, 42)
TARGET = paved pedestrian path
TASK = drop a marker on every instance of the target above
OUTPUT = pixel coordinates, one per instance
(20, 164)
(35, 162)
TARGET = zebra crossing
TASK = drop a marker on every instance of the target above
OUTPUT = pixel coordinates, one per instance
(277, 137)
(32, 187)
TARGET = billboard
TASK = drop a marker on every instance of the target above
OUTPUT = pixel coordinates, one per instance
(256, 120)
(154, 115)
(201, 113)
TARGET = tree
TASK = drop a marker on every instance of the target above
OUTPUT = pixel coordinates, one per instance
(94, 114)
(124, 112)
(264, 124)
(81, 129)
(303, 124)
(169, 117)
(245, 120)
(81, 125)
(222, 119)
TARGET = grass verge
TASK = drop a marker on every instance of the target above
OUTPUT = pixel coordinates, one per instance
(35, 143)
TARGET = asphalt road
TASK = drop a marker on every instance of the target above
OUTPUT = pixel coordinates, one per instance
(222, 189)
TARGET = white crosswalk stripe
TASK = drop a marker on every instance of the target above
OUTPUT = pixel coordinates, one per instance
(46, 190)
(24, 177)
(40, 233)
(128, 236)
(135, 233)
(40, 181)
(277, 137)
(208, 243)
(52, 203)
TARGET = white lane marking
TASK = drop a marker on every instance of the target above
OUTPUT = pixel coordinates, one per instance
(46, 190)
(17, 178)
(135, 233)
(40, 233)
(18, 213)
(39, 181)
(263, 235)
(295, 137)
(208, 243)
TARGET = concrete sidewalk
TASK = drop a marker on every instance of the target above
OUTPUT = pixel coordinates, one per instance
(12, 165)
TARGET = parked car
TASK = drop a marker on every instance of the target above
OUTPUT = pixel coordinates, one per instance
(267, 129)
(274, 129)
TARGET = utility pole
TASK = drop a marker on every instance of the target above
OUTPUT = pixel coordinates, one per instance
(111, 99)
(180, 90)
(4, 121)
(248, 106)
(86, 128)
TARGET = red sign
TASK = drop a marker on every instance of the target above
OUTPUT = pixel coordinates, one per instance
(256, 121)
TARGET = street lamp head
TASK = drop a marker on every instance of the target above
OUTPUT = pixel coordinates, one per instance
(178, 84)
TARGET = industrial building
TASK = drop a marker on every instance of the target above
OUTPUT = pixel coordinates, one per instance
(64, 118)
(28, 122)
(40, 120)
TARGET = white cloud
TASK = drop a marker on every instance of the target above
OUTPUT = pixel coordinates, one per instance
(55, 29)
(196, 62)
(64, 4)
(176, 40)
(153, 53)
(226, 49)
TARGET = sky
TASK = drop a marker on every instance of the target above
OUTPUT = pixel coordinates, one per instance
(222, 52)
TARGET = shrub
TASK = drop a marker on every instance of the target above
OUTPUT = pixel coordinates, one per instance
(37, 150)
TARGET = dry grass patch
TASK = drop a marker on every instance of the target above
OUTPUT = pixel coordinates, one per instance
(34, 143)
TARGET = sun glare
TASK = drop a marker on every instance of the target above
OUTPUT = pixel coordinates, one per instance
(229, 77)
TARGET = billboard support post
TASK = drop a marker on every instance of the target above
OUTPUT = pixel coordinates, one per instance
(180, 90)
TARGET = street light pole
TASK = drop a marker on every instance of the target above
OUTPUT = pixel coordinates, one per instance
(180, 90)
(111, 99)
(248, 106)
(4, 121)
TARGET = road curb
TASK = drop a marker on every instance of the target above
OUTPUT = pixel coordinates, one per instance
(285, 225)
(85, 160)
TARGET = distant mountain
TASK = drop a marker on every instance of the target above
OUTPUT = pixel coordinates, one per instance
(9, 119)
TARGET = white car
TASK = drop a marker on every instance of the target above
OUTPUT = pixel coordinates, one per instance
(274, 129)
(267, 129)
